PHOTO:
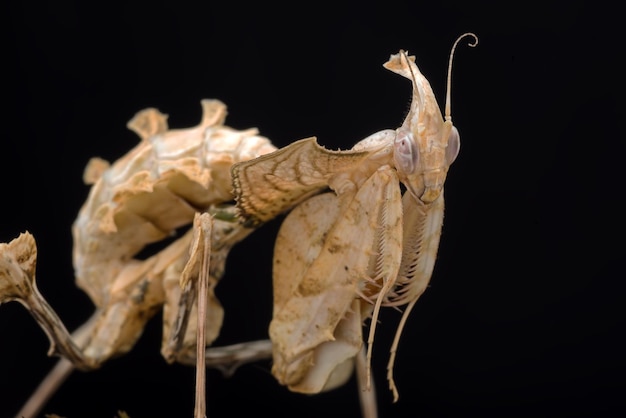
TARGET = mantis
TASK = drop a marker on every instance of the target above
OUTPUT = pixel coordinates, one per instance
(342, 255)
(361, 233)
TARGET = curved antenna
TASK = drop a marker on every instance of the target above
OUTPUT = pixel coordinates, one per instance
(448, 114)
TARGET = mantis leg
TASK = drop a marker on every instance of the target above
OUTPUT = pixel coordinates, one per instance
(17, 283)
(180, 314)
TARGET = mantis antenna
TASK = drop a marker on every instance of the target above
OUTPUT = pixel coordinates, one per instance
(448, 113)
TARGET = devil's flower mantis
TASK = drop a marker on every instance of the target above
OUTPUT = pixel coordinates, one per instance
(367, 243)
(340, 255)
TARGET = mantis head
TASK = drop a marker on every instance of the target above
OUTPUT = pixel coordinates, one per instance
(427, 143)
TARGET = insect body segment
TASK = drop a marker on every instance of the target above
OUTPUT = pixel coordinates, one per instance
(422, 140)
(144, 197)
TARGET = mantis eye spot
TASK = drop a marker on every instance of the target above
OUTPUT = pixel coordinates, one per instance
(454, 144)
(405, 152)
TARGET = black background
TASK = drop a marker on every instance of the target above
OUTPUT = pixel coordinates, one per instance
(526, 310)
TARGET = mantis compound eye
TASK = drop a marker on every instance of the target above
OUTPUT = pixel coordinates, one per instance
(454, 144)
(405, 153)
